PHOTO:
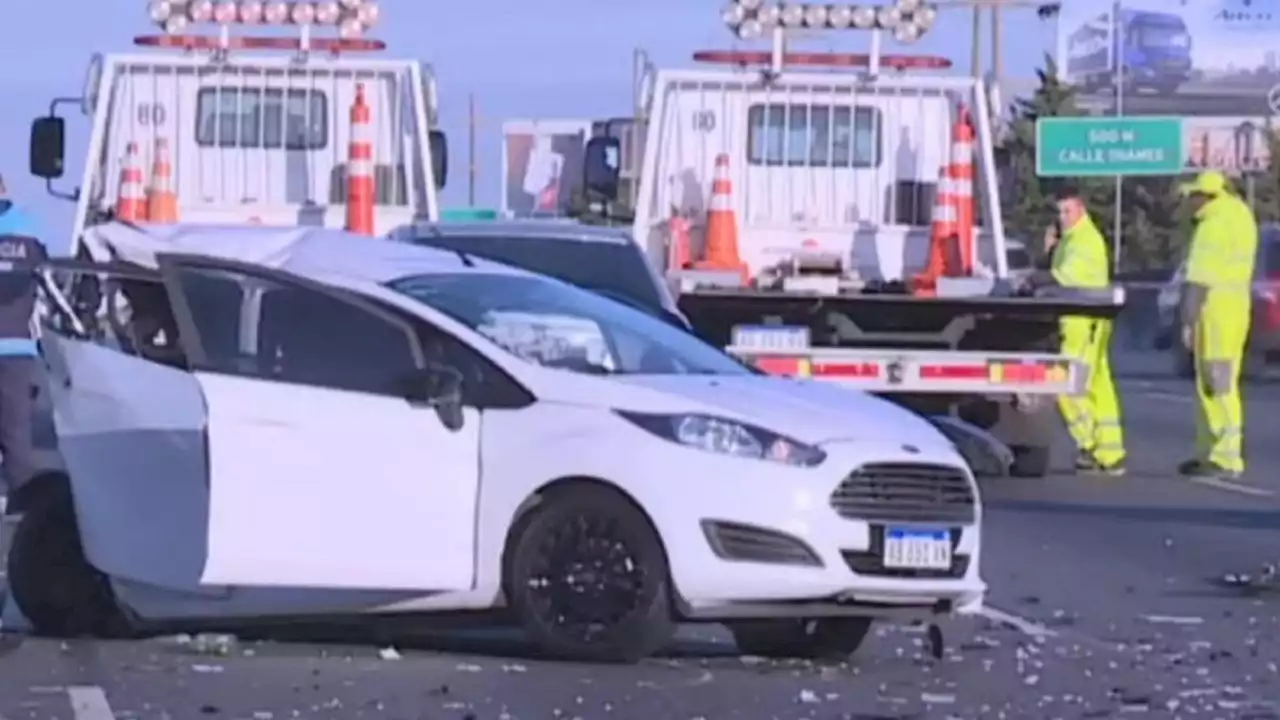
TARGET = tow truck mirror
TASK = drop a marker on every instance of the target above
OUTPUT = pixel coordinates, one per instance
(439, 146)
(48, 147)
(602, 166)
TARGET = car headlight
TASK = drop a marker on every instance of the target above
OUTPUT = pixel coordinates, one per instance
(727, 437)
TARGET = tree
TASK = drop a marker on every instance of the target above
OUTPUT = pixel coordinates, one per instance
(1149, 205)
(1266, 184)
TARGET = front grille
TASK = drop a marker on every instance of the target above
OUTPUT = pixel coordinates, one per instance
(870, 562)
(906, 492)
(747, 543)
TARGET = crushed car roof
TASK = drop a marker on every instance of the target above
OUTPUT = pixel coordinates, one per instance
(316, 252)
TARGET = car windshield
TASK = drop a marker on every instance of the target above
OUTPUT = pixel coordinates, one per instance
(611, 267)
(553, 324)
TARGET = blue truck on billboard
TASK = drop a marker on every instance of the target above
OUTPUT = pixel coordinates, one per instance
(1201, 58)
(1151, 49)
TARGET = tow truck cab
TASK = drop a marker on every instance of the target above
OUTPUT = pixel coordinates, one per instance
(254, 136)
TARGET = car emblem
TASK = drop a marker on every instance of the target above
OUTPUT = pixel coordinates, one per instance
(911, 449)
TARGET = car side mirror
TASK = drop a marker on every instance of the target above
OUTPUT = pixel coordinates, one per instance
(602, 167)
(48, 147)
(439, 147)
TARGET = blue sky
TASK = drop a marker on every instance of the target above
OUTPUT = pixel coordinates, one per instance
(557, 59)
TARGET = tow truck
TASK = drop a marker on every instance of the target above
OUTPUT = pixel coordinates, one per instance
(240, 127)
(256, 126)
(838, 165)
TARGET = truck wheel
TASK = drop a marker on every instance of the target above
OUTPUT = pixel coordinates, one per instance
(1029, 461)
(53, 583)
(825, 639)
(587, 577)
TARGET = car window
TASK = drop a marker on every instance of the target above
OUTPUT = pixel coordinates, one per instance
(126, 312)
(256, 327)
(550, 323)
(615, 269)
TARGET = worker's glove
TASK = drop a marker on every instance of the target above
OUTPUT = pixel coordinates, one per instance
(1188, 336)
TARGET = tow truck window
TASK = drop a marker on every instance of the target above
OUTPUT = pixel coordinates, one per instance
(814, 136)
(1018, 259)
(232, 117)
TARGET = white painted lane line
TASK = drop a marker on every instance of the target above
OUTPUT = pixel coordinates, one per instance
(89, 702)
(1232, 486)
(1167, 396)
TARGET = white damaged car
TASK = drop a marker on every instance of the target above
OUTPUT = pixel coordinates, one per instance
(262, 423)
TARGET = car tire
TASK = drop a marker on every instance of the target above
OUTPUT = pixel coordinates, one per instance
(596, 527)
(1029, 461)
(823, 639)
(52, 582)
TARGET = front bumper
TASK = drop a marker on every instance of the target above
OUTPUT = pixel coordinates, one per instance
(772, 540)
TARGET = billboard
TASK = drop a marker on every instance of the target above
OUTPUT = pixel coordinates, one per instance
(542, 165)
(1233, 144)
(1172, 57)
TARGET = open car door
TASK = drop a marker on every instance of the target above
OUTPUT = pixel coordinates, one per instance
(321, 473)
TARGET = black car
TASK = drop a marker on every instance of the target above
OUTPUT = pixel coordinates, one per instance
(603, 260)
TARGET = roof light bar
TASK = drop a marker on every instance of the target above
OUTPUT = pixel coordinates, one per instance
(908, 20)
(351, 18)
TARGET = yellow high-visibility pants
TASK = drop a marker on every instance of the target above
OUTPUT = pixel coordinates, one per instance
(1219, 346)
(1093, 417)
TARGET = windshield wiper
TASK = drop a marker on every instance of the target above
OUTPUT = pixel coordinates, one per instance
(465, 258)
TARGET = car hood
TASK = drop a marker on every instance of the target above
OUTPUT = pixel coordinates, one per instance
(809, 411)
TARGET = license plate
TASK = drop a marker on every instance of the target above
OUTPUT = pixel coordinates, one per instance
(916, 549)
(770, 338)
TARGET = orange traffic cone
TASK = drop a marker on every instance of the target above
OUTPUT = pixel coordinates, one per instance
(131, 200)
(951, 238)
(162, 200)
(360, 182)
(962, 177)
(720, 251)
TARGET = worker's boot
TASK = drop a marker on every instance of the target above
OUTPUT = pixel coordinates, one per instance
(1205, 469)
(1114, 469)
(1085, 462)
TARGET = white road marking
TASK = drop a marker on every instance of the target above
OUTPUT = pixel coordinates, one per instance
(1167, 396)
(89, 702)
(1232, 486)
(1022, 625)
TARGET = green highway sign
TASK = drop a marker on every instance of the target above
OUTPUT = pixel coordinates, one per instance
(1095, 146)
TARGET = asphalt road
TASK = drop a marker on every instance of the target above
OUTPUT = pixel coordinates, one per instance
(1106, 602)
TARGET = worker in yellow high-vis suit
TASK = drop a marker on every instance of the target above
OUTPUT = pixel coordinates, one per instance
(1216, 308)
(1079, 258)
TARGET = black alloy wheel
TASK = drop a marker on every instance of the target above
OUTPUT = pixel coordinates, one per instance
(587, 577)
